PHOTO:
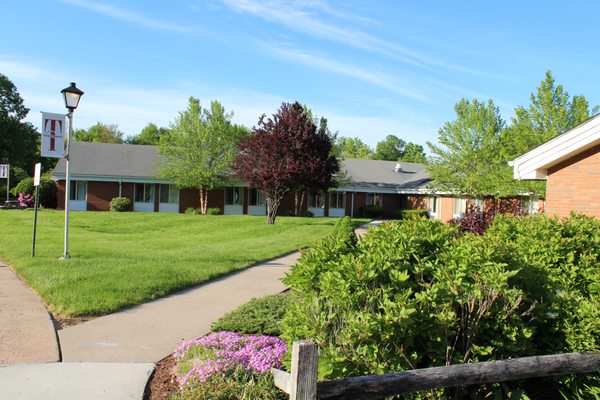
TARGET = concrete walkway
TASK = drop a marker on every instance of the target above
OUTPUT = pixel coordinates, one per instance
(112, 356)
(150, 331)
(70, 381)
(26, 331)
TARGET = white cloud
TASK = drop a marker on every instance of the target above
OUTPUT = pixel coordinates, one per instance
(301, 17)
(131, 108)
(129, 16)
(374, 77)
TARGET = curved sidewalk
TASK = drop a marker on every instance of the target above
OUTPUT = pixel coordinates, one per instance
(150, 331)
(27, 334)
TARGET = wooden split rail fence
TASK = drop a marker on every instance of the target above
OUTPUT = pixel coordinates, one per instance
(301, 383)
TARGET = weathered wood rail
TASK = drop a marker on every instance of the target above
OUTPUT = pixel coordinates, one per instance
(302, 383)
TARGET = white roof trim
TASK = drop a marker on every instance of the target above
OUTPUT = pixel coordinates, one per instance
(535, 164)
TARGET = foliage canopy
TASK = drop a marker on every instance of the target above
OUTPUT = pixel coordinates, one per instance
(285, 153)
(417, 293)
(199, 148)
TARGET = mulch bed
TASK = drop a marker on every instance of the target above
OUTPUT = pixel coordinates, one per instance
(162, 382)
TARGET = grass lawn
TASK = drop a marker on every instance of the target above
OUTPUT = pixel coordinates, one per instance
(123, 259)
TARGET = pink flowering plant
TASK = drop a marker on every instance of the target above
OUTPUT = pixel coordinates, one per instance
(25, 200)
(223, 354)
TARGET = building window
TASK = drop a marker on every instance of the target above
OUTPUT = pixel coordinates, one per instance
(337, 200)
(460, 207)
(316, 199)
(257, 197)
(530, 204)
(234, 196)
(169, 194)
(375, 199)
(144, 193)
(432, 207)
(78, 190)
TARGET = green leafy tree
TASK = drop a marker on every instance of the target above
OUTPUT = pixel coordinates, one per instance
(391, 148)
(19, 141)
(102, 133)
(551, 112)
(413, 153)
(150, 135)
(199, 148)
(350, 147)
(467, 158)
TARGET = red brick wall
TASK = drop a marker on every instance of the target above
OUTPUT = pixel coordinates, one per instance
(416, 202)
(392, 203)
(574, 185)
(360, 199)
(191, 198)
(60, 192)
(99, 195)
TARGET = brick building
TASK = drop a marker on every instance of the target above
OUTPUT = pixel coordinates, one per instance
(570, 163)
(103, 171)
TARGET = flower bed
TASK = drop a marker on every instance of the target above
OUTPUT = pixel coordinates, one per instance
(222, 354)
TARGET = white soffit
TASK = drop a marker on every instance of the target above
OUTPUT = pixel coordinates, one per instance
(535, 164)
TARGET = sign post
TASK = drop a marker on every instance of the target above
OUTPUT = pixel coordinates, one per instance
(36, 183)
(5, 173)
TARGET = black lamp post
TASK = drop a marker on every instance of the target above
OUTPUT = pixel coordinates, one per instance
(71, 95)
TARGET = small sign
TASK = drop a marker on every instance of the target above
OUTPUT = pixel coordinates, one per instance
(4, 171)
(36, 175)
(53, 137)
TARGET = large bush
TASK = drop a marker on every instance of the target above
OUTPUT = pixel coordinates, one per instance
(120, 204)
(417, 293)
(48, 190)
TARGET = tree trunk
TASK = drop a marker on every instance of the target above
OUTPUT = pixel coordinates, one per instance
(272, 206)
(203, 200)
(296, 208)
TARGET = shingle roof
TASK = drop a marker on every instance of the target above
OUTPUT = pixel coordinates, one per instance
(111, 160)
(382, 174)
(108, 160)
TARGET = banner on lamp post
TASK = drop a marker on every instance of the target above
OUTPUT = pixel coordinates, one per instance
(53, 135)
(3, 171)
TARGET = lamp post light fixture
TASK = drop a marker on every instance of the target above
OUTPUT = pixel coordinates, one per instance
(71, 96)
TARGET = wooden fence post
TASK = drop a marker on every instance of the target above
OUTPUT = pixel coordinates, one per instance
(303, 384)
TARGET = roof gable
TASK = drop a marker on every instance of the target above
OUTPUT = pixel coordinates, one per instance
(535, 164)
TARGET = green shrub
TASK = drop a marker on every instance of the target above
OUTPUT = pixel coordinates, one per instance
(120, 204)
(343, 231)
(306, 214)
(407, 214)
(192, 211)
(372, 211)
(213, 211)
(242, 385)
(48, 190)
(260, 316)
(416, 293)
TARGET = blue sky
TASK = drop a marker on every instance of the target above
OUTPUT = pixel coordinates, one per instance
(373, 68)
